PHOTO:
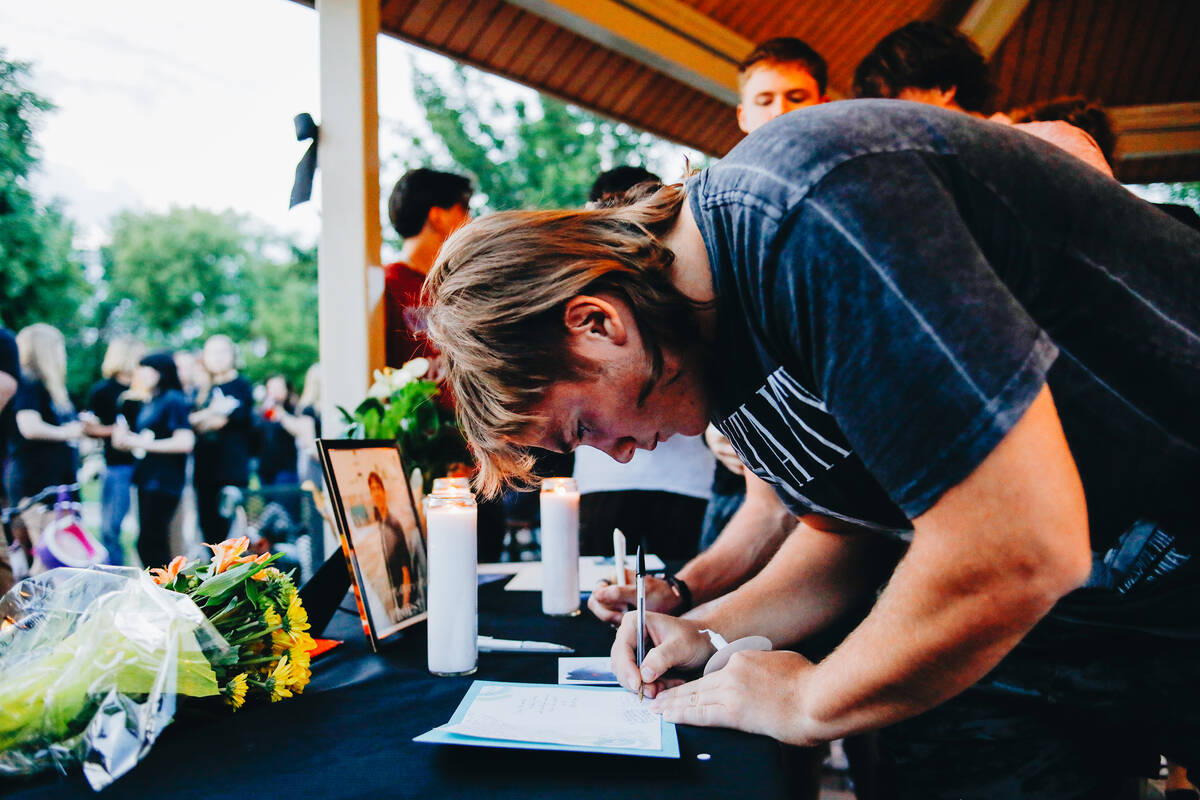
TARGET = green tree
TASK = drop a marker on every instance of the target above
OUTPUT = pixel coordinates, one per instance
(43, 279)
(522, 154)
(284, 325)
(177, 276)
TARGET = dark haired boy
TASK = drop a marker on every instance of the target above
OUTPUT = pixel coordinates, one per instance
(425, 207)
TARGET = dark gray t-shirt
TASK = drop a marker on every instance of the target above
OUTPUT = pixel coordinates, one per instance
(896, 283)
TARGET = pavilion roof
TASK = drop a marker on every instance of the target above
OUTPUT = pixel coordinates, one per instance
(669, 66)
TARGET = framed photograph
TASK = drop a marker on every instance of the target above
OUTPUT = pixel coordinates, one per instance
(380, 531)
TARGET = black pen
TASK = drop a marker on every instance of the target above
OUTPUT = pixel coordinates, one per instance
(641, 612)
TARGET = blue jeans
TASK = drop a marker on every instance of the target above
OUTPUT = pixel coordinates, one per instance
(114, 505)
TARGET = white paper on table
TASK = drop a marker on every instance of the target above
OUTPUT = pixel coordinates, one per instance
(591, 570)
(561, 715)
(586, 671)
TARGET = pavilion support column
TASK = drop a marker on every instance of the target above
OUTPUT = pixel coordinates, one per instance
(350, 281)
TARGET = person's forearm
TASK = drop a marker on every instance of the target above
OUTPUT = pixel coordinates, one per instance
(180, 442)
(32, 426)
(98, 431)
(987, 561)
(814, 578)
(929, 637)
(744, 547)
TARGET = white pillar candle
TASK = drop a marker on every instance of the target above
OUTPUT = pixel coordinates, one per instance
(453, 621)
(560, 547)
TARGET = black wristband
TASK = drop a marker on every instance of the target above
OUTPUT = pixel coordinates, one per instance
(684, 592)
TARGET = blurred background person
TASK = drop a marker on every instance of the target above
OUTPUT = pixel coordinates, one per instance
(223, 427)
(161, 439)
(10, 375)
(425, 207)
(43, 449)
(305, 426)
(110, 398)
(931, 63)
(277, 462)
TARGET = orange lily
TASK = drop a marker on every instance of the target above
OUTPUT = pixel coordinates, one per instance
(164, 576)
(227, 553)
(261, 575)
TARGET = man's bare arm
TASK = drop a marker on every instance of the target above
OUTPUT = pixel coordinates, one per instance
(988, 560)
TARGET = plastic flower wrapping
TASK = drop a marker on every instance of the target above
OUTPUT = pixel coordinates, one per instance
(93, 661)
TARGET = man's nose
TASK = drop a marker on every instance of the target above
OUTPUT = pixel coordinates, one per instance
(621, 449)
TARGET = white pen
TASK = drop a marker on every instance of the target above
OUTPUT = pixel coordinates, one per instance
(619, 555)
(488, 644)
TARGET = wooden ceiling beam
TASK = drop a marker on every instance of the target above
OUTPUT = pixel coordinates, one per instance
(1156, 131)
(987, 22)
(665, 35)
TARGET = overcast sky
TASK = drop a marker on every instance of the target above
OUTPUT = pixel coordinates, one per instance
(167, 102)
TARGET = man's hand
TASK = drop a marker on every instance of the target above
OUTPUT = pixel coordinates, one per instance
(677, 644)
(610, 602)
(723, 450)
(759, 692)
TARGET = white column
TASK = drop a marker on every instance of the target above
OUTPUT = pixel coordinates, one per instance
(350, 281)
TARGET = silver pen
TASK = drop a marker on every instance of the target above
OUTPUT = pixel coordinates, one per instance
(641, 612)
(488, 644)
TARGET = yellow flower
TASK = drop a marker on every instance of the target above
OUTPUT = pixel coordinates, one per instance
(279, 681)
(164, 576)
(297, 617)
(301, 661)
(234, 692)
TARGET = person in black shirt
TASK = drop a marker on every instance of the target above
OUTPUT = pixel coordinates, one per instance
(109, 399)
(224, 426)
(277, 462)
(10, 374)
(161, 438)
(43, 441)
(10, 370)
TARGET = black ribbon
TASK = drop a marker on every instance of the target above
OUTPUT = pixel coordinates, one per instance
(307, 168)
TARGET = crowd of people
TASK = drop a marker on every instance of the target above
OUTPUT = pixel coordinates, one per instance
(174, 431)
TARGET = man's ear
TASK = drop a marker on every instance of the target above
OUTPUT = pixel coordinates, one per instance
(438, 220)
(594, 317)
(740, 119)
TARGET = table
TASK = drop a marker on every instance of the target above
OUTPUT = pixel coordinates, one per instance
(350, 733)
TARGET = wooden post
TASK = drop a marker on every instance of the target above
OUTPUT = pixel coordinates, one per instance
(350, 281)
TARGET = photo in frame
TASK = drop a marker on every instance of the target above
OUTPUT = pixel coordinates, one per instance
(380, 531)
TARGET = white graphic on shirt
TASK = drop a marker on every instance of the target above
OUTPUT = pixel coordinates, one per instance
(785, 435)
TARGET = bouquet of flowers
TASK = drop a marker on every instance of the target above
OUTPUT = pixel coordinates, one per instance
(93, 659)
(402, 405)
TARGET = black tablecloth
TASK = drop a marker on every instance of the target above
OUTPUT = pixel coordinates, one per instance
(350, 733)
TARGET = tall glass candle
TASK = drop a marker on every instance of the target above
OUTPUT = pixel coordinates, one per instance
(560, 547)
(453, 599)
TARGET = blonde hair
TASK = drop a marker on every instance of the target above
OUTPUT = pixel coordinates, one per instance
(496, 299)
(310, 395)
(44, 356)
(122, 356)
